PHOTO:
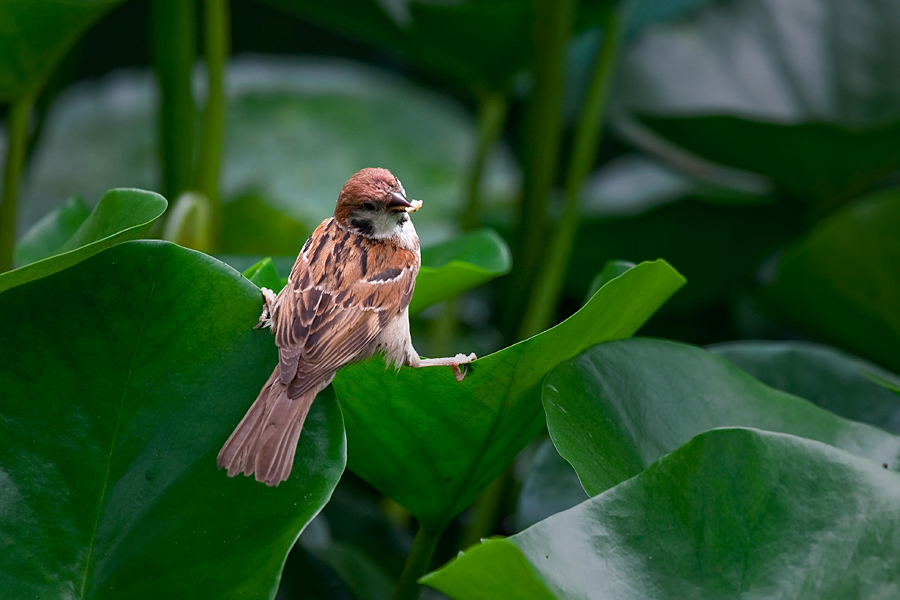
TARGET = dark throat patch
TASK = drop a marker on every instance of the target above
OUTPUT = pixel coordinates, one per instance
(363, 226)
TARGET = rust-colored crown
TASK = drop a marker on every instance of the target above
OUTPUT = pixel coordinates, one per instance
(368, 185)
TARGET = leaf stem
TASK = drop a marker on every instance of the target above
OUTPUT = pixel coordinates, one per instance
(16, 147)
(492, 109)
(217, 36)
(486, 508)
(174, 51)
(540, 147)
(548, 287)
(417, 562)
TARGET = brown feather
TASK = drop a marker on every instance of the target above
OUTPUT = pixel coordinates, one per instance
(265, 440)
(344, 290)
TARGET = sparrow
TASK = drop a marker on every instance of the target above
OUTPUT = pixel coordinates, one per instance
(347, 299)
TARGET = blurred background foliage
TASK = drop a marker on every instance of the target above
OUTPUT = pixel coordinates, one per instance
(753, 144)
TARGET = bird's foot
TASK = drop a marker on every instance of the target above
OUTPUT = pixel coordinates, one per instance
(265, 319)
(460, 360)
(454, 362)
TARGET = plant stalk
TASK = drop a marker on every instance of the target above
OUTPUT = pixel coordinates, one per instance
(174, 51)
(417, 562)
(216, 43)
(540, 149)
(16, 147)
(492, 109)
(487, 510)
(548, 287)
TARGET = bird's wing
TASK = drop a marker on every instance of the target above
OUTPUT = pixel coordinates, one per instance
(343, 290)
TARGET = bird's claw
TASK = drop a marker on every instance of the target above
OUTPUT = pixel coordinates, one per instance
(461, 359)
(265, 318)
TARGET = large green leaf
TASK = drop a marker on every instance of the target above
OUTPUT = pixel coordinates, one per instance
(842, 281)
(433, 444)
(620, 406)
(835, 380)
(121, 215)
(803, 92)
(34, 36)
(459, 264)
(296, 131)
(734, 513)
(129, 373)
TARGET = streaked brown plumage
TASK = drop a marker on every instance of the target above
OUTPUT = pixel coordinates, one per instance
(346, 299)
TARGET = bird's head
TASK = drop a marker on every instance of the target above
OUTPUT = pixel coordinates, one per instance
(373, 203)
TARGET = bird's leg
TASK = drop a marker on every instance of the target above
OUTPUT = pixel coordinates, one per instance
(265, 319)
(453, 362)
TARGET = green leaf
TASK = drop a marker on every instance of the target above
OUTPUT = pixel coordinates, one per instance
(842, 280)
(735, 511)
(36, 34)
(620, 406)
(551, 486)
(612, 269)
(460, 264)
(250, 226)
(812, 93)
(49, 234)
(494, 569)
(433, 444)
(263, 274)
(837, 381)
(121, 215)
(116, 400)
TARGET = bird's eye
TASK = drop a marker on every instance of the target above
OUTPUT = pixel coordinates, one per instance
(368, 206)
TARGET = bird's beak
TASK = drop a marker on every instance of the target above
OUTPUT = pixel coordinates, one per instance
(398, 202)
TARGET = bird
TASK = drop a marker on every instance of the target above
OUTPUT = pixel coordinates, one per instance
(347, 299)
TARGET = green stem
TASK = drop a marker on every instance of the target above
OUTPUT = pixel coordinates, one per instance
(492, 108)
(417, 562)
(548, 288)
(445, 328)
(217, 35)
(174, 52)
(540, 148)
(486, 510)
(16, 147)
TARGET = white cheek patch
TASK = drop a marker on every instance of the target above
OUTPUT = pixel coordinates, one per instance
(383, 225)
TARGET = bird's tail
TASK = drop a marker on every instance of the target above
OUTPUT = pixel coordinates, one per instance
(265, 440)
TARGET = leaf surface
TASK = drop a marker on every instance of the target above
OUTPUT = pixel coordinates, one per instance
(115, 403)
(459, 264)
(804, 93)
(618, 407)
(842, 280)
(842, 383)
(121, 215)
(733, 512)
(433, 444)
(36, 35)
